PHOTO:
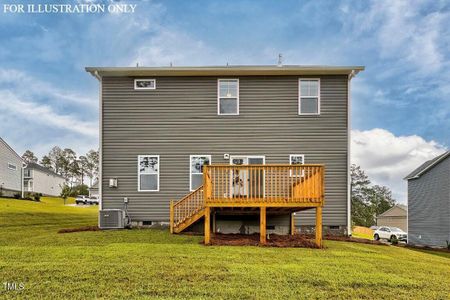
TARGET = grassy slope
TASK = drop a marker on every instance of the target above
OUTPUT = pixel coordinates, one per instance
(152, 263)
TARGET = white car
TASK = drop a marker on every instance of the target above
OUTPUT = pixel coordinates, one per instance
(390, 234)
(93, 200)
(81, 199)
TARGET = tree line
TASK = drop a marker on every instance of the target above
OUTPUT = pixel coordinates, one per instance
(368, 201)
(65, 162)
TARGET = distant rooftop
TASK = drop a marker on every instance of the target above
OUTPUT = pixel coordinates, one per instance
(42, 169)
(229, 70)
(427, 166)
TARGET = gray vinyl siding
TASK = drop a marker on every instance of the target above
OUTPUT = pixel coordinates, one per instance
(11, 180)
(429, 206)
(180, 118)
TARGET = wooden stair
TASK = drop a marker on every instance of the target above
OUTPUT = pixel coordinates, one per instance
(187, 211)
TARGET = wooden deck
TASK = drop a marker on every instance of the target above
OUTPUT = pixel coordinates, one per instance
(264, 187)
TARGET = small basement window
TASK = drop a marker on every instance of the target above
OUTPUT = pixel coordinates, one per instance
(228, 97)
(148, 173)
(12, 167)
(145, 84)
(309, 97)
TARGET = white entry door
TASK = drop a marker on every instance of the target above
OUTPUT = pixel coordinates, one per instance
(240, 180)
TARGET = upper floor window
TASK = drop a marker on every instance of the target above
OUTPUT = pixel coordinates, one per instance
(228, 97)
(12, 167)
(145, 84)
(148, 173)
(309, 96)
(27, 173)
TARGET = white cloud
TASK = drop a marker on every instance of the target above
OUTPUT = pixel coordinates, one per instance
(45, 115)
(387, 158)
(403, 32)
(28, 86)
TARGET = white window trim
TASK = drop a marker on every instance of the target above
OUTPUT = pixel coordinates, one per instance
(290, 163)
(139, 173)
(11, 164)
(300, 97)
(190, 167)
(146, 88)
(218, 97)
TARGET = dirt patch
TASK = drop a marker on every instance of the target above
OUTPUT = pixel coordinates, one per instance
(274, 240)
(79, 229)
(284, 241)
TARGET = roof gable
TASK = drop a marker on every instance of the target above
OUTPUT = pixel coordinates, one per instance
(398, 210)
(428, 165)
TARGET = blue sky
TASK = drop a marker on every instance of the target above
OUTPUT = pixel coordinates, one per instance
(400, 104)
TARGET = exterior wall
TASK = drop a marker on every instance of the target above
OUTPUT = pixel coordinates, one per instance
(179, 118)
(429, 207)
(10, 180)
(393, 221)
(47, 184)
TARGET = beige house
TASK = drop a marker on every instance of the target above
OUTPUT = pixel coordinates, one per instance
(394, 217)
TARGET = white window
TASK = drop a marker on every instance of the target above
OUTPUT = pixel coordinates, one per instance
(196, 163)
(148, 173)
(12, 167)
(297, 159)
(145, 84)
(309, 96)
(228, 97)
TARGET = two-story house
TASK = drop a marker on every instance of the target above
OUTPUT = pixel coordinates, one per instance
(242, 148)
(429, 203)
(39, 179)
(11, 171)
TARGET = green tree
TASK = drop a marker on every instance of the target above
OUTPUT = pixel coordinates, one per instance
(46, 162)
(29, 157)
(368, 200)
(91, 165)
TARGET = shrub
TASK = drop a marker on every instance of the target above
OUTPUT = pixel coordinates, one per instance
(37, 197)
(17, 195)
(448, 245)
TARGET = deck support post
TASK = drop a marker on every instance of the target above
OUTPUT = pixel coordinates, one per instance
(214, 221)
(262, 225)
(207, 225)
(171, 216)
(319, 226)
(292, 223)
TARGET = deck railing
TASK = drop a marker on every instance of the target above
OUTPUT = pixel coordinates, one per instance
(242, 184)
(187, 206)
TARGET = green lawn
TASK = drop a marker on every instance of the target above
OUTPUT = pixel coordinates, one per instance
(154, 264)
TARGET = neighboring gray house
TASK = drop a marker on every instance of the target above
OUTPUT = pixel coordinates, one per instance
(429, 203)
(11, 171)
(39, 179)
(396, 216)
(160, 126)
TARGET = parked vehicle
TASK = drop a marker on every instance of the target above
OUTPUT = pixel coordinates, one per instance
(390, 234)
(81, 199)
(93, 200)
